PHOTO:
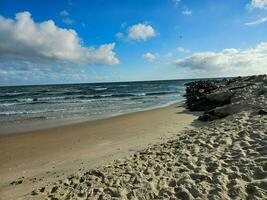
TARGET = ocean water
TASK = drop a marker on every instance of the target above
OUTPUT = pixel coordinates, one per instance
(86, 101)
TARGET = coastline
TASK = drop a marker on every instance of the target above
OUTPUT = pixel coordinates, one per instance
(45, 106)
(218, 151)
(224, 158)
(43, 156)
(32, 125)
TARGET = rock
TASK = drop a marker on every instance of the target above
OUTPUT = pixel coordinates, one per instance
(196, 91)
(220, 98)
(262, 112)
(216, 113)
(206, 117)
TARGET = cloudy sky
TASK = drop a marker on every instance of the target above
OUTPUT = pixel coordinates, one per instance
(72, 41)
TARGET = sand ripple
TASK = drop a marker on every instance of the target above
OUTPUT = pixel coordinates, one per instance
(227, 159)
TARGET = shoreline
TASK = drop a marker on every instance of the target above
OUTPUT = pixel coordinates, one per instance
(223, 159)
(43, 156)
(20, 127)
(166, 153)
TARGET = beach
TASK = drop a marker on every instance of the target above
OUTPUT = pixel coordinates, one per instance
(133, 100)
(213, 146)
(44, 156)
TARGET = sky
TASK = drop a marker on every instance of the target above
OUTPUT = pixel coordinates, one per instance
(75, 41)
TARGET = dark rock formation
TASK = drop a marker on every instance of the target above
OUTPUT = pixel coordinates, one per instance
(262, 112)
(197, 94)
(220, 98)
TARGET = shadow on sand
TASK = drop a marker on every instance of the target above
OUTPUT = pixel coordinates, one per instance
(196, 123)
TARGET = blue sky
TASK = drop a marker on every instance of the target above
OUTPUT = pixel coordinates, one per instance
(120, 40)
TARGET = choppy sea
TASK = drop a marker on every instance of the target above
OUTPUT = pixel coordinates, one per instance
(86, 101)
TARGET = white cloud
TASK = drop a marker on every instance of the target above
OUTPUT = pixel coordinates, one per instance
(149, 57)
(256, 22)
(182, 49)
(260, 4)
(119, 35)
(228, 62)
(141, 32)
(187, 12)
(64, 13)
(24, 39)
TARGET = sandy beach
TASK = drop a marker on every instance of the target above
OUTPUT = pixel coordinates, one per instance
(133, 100)
(41, 157)
(225, 160)
(165, 153)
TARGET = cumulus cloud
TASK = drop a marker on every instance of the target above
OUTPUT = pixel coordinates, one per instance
(187, 12)
(149, 57)
(23, 39)
(256, 22)
(260, 4)
(228, 61)
(141, 32)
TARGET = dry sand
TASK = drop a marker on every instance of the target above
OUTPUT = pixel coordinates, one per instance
(226, 159)
(34, 159)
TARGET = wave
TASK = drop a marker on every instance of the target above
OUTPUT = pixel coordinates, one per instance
(5, 104)
(13, 95)
(29, 112)
(26, 100)
(76, 98)
(100, 89)
(90, 101)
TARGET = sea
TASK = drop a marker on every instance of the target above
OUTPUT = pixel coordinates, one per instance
(87, 101)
